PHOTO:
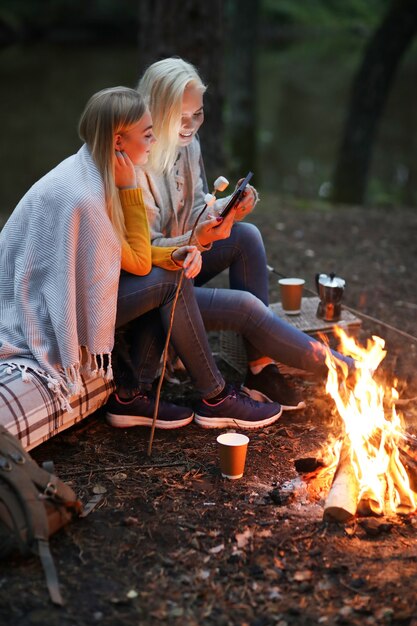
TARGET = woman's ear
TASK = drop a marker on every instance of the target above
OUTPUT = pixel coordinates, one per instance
(118, 141)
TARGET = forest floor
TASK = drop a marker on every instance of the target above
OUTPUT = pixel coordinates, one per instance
(172, 542)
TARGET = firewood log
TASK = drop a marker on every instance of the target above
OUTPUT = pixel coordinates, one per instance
(393, 488)
(410, 465)
(369, 505)
(409, 444)
(400, 476)
(342, 500)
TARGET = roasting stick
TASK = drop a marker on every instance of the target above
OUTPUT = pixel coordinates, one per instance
(355, 311)
(220, 184)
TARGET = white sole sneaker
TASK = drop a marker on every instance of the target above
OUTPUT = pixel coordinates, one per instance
(225, 422)
(261, 397)
(127, 421)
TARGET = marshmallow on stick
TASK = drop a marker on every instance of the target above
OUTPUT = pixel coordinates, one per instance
(209, 199)
(220, 183)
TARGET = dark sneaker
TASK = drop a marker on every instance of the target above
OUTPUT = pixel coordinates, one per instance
(139, 412)
(236, 409)
(270, 386)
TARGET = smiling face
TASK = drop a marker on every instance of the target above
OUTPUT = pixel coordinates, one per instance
(137, 140)
(192, 114)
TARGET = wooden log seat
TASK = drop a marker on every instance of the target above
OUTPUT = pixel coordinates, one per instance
(31, 412)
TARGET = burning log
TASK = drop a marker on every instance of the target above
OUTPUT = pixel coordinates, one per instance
(402, 484)
(345, 498)
(369, 505)
(371, 477)
(410, 465)
(342, 502)
(408, 444)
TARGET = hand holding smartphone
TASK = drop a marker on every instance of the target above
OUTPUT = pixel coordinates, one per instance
(236, 196)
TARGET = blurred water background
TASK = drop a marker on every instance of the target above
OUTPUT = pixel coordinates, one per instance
(302, 92)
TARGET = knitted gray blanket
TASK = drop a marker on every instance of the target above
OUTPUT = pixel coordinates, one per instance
(59, 275)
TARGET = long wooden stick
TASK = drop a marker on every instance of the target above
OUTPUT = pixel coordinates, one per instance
(167, 340)
(164, 363)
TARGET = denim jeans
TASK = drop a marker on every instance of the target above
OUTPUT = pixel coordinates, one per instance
(149, 298)
(244, 254)
(264, 332)
(239, 311)
(242, 308)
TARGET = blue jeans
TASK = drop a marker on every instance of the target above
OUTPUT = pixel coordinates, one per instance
(244, 254)
(228, 309)
(150, 297)
(243, 308)
(264, 332)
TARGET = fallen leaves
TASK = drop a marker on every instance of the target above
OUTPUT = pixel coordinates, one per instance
(244, 538)
(302, 575)
(99, 489)
(217, 549)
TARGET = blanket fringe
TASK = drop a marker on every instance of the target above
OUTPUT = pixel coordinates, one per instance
(109, 370)
(71, 383)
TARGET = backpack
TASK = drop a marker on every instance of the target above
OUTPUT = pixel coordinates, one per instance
(34, 503)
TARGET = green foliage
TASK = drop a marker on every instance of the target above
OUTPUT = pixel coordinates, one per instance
(326, 13)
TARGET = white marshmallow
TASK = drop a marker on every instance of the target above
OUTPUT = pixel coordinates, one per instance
(221, 183)
(209, 199)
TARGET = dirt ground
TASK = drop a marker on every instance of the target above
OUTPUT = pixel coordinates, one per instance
(172, 542)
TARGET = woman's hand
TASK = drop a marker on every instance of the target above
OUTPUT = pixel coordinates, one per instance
(124, 171)
(189, 258)
(246, 203)
(214, 228)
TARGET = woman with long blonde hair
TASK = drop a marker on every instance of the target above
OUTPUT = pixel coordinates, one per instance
(174, 186)
(62, 293)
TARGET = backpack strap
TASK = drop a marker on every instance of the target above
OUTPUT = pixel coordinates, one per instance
(50, 572)
(34, 512)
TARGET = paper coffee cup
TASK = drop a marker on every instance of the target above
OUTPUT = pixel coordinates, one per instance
(232, 450)
(291, 294)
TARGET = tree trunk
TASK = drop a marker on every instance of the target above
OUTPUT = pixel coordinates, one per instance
(369, 93)
(193, 30)
(241, 85)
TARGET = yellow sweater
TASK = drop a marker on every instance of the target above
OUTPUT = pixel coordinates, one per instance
(138, 255)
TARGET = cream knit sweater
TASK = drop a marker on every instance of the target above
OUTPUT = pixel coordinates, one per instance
(174, 201)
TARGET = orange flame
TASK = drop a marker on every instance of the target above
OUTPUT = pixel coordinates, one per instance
(372, 435)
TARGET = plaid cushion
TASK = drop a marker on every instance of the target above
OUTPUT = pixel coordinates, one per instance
(31, 412)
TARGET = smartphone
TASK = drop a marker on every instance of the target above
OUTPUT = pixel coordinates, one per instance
(237, 194)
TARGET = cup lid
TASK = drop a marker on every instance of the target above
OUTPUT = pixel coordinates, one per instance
(291, 281)
(232, 439)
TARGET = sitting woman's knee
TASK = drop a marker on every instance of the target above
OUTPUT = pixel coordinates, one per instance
(246, 234)
(247, 302)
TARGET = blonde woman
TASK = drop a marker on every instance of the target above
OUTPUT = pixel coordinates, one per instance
(174, 187)
(61, 289)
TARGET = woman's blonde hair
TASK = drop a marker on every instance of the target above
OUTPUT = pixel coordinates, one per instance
(108, 112)
(162, 86)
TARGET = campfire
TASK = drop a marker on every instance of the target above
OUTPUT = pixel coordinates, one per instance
(373, 452)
